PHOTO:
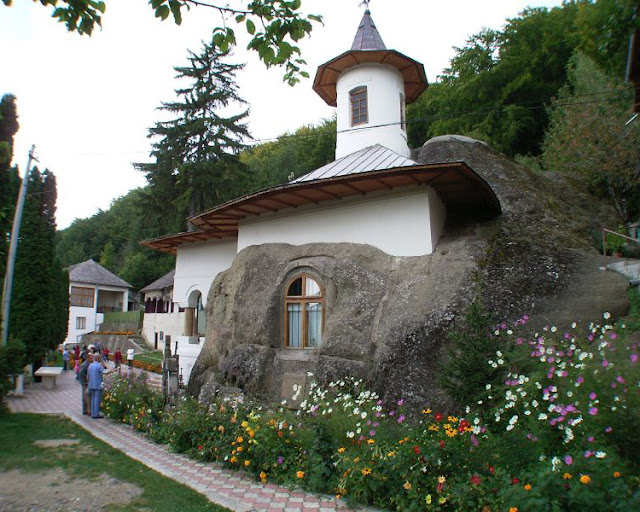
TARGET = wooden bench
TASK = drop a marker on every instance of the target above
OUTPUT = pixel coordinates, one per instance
(48, 374)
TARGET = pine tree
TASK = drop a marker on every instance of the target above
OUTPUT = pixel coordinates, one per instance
(196, 157)
(9, 180)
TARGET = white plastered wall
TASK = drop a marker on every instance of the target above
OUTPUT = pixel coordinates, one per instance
(171, 324)
(384, 86)
(197, 266)
(399, 224)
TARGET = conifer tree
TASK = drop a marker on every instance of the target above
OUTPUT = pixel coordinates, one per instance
(196, 155)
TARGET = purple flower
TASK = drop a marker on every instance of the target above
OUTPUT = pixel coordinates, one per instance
(590, 439)
(634, 358)
(588, 454)
(401, 418)
(613, 335)
(568, 460)
(372, 433)
(590, 337)
(401, 401)
(580, 379)
(280, 459)
(608, 429)
(593, 411)
(605, 363)
(474, 440)
(592, 395)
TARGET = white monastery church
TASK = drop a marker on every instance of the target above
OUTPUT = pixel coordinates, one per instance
(373, 193)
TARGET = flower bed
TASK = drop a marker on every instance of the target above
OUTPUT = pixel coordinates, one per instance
(557, 432)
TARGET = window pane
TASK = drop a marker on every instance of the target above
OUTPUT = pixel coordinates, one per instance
(314, 324)
(294, 320)
(201, 318)
(295, 289)
(312, 289)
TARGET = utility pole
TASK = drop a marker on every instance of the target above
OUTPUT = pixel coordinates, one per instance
(13, 247)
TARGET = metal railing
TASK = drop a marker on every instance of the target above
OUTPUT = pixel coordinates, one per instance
(605, 233)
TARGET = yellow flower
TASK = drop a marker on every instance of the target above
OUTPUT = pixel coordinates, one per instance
(451, 433)
(244, 424)
(426, 411)
(252, 433)
(239, 449)
(221, 428)
(239, 440)
(585, 479)
(263, 475)
(366, 471)
(356, 460)
(527, 487)
(513, 509)
(407, 486)
(370, 441)
(341, 449)
(433, 427)
(247, 462)
(567, 476)
(442, 500)
(616, 474)
(300, 474)
(441, 479)
(233, 460)
(391, 454)
(452, 419)
(428, 499)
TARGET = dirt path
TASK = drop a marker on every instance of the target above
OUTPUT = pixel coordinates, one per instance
(55, 490)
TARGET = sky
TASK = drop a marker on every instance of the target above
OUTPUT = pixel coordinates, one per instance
(87, 103)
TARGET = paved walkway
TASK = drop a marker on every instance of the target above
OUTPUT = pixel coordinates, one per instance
(234, 490)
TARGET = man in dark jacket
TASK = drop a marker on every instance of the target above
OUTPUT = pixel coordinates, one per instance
(84, 383)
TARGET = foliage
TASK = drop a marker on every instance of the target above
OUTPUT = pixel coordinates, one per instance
(465, 376)
(588, 136)
(499, 84)
(122, 317)
(275, 26)
(18, 436)
(560, 434)
(291, 155)
(12, 360)
(196, 165)
(39, 307)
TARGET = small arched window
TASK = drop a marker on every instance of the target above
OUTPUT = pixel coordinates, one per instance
(304, 312)
(359, 109)
(201, 317)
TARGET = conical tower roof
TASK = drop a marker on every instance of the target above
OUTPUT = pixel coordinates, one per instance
(368, 47)
(367, 36)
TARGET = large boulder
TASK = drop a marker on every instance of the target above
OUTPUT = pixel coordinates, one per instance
(386, 318)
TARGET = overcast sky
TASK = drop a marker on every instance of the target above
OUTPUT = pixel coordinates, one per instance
(87, 102)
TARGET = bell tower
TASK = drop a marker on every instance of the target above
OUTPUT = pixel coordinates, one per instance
(370, 86)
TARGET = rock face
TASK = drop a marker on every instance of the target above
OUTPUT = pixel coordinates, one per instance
(387, 318)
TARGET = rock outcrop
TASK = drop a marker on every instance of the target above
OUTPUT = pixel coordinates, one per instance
(386, 318)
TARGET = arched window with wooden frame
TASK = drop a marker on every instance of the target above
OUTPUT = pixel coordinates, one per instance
(304, 312)
(359, 108)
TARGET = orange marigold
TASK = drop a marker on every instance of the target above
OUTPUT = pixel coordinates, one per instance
(585, 479)
(300, 474)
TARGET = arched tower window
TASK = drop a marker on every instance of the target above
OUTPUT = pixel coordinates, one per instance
(304, 312)
(359, 109)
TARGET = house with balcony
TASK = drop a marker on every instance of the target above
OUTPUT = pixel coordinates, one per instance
(93, 291)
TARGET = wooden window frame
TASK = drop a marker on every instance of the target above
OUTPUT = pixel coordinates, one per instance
(303, 300)
(80, 298)
(356, 101)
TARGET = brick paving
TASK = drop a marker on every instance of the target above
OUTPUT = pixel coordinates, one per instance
(234, 490)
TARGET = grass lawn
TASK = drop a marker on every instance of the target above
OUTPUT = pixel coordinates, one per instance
(154, 357)
(17, 452)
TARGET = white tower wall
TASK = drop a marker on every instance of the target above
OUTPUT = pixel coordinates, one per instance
(385, 88)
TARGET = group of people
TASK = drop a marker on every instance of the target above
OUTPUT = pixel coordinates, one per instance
(90, 374)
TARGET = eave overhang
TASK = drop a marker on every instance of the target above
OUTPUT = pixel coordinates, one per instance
(457, 185)
(413, 74)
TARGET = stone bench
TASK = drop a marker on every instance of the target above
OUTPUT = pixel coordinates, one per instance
(48, 375)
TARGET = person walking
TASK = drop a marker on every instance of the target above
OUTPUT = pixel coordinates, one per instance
(96, 371)
(83, 376)
(130, 353)
(105, 355)
(65, 359)
(117, 358)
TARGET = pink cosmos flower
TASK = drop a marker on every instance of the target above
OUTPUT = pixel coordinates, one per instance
(568, 460)
(593, 411)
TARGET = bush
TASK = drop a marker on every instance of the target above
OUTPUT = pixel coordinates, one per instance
(12, 360)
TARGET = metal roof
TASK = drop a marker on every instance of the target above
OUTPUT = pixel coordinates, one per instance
(166, 281)
(90, 272)
(372, 158)
(367, 36)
